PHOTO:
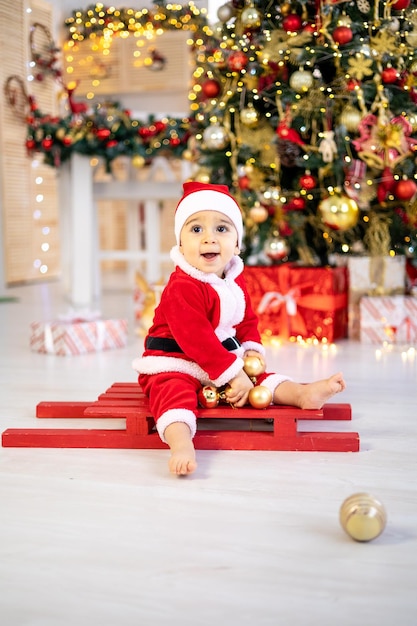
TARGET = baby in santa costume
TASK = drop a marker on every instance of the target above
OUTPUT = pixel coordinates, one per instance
(204, 326)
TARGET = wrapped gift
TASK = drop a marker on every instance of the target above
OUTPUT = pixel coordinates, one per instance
(78, 336)
(294, 301)
(388, 319)
(371, 276)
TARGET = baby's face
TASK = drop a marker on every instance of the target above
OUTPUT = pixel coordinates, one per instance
(208, 241)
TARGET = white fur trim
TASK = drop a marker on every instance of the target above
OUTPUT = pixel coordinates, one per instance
(176, 415)
(272, 382)
(253, 345)
(158, 364)
(208, 200)
(230, 373)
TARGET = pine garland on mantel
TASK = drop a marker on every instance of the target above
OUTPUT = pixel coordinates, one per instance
(106, 130)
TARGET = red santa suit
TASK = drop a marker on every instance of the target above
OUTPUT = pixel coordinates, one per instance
(184, 350)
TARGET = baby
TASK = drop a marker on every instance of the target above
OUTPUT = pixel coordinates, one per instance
(205, 326)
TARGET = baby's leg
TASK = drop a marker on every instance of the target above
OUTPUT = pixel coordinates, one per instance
(178, 437)
(309, 395)
(173, 401)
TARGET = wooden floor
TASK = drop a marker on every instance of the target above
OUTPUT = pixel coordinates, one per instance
(108, 537)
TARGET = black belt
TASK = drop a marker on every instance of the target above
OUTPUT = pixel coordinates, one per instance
(165, 344)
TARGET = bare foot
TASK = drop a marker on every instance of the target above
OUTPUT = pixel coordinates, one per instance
(182, 460)
(314, 395)
(310, 395)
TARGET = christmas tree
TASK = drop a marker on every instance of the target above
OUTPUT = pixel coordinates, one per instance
(307, 110)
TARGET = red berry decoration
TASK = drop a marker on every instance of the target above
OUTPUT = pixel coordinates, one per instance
(103, 133)
(210, 88)
(292, 23)
(405, 189)
(389, 75)
(342, 35)
(307, 181)
(237, 61)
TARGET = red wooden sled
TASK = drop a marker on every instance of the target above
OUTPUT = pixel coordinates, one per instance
(221, 428)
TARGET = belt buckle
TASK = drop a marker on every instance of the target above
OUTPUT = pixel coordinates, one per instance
(236, 342)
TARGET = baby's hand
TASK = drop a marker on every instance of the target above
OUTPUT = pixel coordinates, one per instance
(238, 389)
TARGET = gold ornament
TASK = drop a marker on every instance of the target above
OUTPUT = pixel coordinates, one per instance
(258, 214)
(202, 175)
(301, 81)
(226, 12)
(350, 118)
(253, 366)
(339, 212)
(138, 161)
(362, 517)
(260, 397)
(216, 137)
(360, 66)
(285, 8)
(276, 248)
(384, 42)
(251, 17)
(249, 116)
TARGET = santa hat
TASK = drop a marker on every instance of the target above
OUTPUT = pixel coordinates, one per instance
(205, 197)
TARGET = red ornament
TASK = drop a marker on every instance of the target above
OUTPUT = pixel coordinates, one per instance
(400, 5)
(405, 189)
(111, 144)
(389, 75)
(244, 182)
(342, 35)
(386, 185)
(292, 23)
(310, 28)
(296, 204)
(208, 397)
(352, 84)
(30, 144)
(307, 181)
(67, 140)
(237, 61)
(174, 141)
(210, 88)
(47, 143)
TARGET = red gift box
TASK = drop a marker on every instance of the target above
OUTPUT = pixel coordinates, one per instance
(294, 301)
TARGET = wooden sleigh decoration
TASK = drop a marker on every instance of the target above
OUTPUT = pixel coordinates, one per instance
(220, 428)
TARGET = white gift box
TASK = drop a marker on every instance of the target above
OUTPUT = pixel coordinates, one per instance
(66, 338)
(391, 319)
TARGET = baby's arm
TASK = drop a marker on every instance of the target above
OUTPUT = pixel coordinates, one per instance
(238, 389)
